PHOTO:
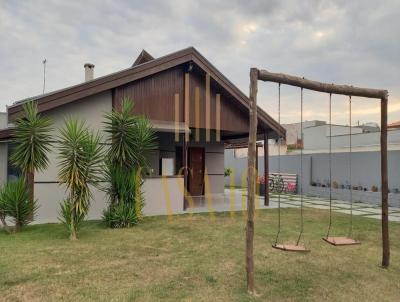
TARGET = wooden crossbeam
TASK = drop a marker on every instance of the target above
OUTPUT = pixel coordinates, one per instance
(282, 78)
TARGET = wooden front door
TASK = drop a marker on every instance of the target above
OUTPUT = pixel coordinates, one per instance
(196, 171)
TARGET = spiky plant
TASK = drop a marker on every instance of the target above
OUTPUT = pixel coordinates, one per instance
(132, 139)
(132, 136)
(81, 158)
(32, 139)
(15, 203)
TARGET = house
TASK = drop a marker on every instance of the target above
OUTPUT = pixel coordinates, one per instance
(194, 110)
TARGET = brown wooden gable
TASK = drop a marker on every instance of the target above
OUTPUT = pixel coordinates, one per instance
(232, 118)
(154, 96)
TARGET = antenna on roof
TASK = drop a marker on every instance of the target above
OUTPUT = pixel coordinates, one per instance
(44, 73)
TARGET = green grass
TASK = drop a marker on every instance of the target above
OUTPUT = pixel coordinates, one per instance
(197, 258)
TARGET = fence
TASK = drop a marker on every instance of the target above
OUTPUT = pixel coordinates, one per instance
(315, 177)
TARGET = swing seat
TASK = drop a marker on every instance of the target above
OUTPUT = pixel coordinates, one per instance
(291, 248)
(339, 241)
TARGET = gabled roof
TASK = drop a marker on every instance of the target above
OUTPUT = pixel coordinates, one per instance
(143, 57)
(148, 68)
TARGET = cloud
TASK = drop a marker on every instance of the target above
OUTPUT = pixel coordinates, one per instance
(353, 42)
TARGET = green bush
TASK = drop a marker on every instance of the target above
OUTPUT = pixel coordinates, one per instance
(124, 189)
(121, 215)
(15, 203)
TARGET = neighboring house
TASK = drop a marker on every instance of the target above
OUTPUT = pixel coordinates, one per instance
(194, 110)
(364, 138)
(394, 125)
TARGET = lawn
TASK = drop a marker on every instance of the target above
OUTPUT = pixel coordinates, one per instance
(197, 258)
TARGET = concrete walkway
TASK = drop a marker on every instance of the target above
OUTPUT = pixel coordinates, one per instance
(236, 199)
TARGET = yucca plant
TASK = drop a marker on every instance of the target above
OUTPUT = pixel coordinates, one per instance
(32, 141)
(132, 139)
(126, 198)
(15, 203)
(81, 165)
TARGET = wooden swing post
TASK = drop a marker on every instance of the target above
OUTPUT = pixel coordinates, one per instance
(251, 180)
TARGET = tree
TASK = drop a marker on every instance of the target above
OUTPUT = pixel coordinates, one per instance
(132, 138)
(81, 165)
(32, 141)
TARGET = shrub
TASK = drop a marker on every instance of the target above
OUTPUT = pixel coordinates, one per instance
(15, 203)
(121, 215)
(70, 218)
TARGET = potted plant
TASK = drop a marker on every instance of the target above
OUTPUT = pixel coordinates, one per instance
(227, 172)
(374, 188)
(335, 185)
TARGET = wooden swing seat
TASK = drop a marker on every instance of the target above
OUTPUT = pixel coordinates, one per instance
(339, 241)
(291, 248)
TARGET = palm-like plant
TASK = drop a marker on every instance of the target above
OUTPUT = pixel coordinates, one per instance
(81, 159)
(32, 141)
(132, 138)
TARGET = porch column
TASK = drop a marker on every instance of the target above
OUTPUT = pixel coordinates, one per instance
(185, 171)
(266, 169)
(256, 162)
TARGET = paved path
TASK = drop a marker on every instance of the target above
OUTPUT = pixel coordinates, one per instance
(235, 200)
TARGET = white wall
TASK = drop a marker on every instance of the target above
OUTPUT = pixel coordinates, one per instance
(163, 196)
(90, 110)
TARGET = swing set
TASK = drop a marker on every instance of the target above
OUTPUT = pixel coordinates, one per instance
(302, 83)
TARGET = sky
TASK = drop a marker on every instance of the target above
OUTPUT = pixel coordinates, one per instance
(344, 42)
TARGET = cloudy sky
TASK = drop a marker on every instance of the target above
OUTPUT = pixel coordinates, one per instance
(353, 42)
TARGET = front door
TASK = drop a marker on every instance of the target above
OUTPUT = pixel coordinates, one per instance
(196, 171)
